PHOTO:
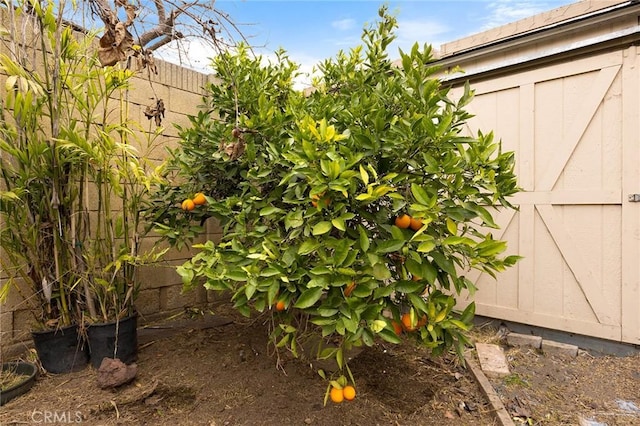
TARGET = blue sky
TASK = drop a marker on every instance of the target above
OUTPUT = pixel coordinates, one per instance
(313, 30)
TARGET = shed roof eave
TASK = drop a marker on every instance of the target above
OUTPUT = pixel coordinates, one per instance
(617, 38)
(537, 34)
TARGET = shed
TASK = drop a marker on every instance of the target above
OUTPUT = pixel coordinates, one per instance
(562, 90)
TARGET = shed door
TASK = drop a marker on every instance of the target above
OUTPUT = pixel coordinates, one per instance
(576, 134)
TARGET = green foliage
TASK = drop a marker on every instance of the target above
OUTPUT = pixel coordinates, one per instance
(308, 205)
(74, 177)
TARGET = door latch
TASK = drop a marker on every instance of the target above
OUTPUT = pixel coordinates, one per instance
(634, 198)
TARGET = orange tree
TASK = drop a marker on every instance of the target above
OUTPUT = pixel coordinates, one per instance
(308, 187)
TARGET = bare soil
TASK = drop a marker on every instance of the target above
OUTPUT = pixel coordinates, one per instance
(219, 370)
(549, 389)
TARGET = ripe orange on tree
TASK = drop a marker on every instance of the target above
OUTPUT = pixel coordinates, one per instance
(349, 393)
(422, 321)
(403, 221)
(320, 197)
(199, 199)
(188, 205)
(336, 395)
(397, 327)
(406, 322)
(415, 224)
(349, 289)
(280, 306)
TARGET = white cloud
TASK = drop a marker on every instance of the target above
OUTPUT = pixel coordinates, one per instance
(344, 24)
(307, 69)
(501, 12)
(421, 31)
(194, 54)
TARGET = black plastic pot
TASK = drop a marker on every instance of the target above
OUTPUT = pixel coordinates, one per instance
(62, 350)
(23, 368)
(117, 339)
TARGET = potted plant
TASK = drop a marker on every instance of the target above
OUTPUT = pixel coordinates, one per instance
(122, 176)
(43, 184)
(73, 182)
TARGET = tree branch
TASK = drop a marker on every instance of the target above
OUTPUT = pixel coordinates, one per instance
(164, 28)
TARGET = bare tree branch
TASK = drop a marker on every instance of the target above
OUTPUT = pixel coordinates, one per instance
(154, 25)
(164, 41)
(166, 28)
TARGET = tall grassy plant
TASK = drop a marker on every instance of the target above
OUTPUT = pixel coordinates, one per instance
(73, 183)
(43, 180)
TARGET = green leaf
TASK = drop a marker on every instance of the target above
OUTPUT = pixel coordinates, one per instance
(308, 298)
(390, 336)
(341, 252)
(320, 270)
(309, 149)
(364, 238)
(444, 263)
(293, 220)
(468, 313)
(452, 227)
(307, 247)
(236, 275)
(272, 293)
(383, 291)
(455, 240)
(381, 272)
(389, 246)
(426, 246)
(339, 224)
(420, 194)
(187, 274)
(321, 228)
(491, 248)
(378, 325)
(418, 302)
(364, 175)
(269, 271)
(269, 210)
(459, 324)
(409, 286)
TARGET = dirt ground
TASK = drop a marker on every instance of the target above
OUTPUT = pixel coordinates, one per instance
(586, 390)
(218, 370)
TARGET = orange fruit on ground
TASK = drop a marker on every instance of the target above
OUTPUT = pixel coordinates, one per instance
(199, 199)
(349, 392)
(280, 306)
(406, 322)
(415, 224)
(349, 289)
(397, 327)
(188, 205)
(336, 395)
(403, 221)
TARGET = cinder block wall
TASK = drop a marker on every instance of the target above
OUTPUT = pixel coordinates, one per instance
(181, 91)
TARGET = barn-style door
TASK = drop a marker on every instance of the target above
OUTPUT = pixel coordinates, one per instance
(575, 129)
